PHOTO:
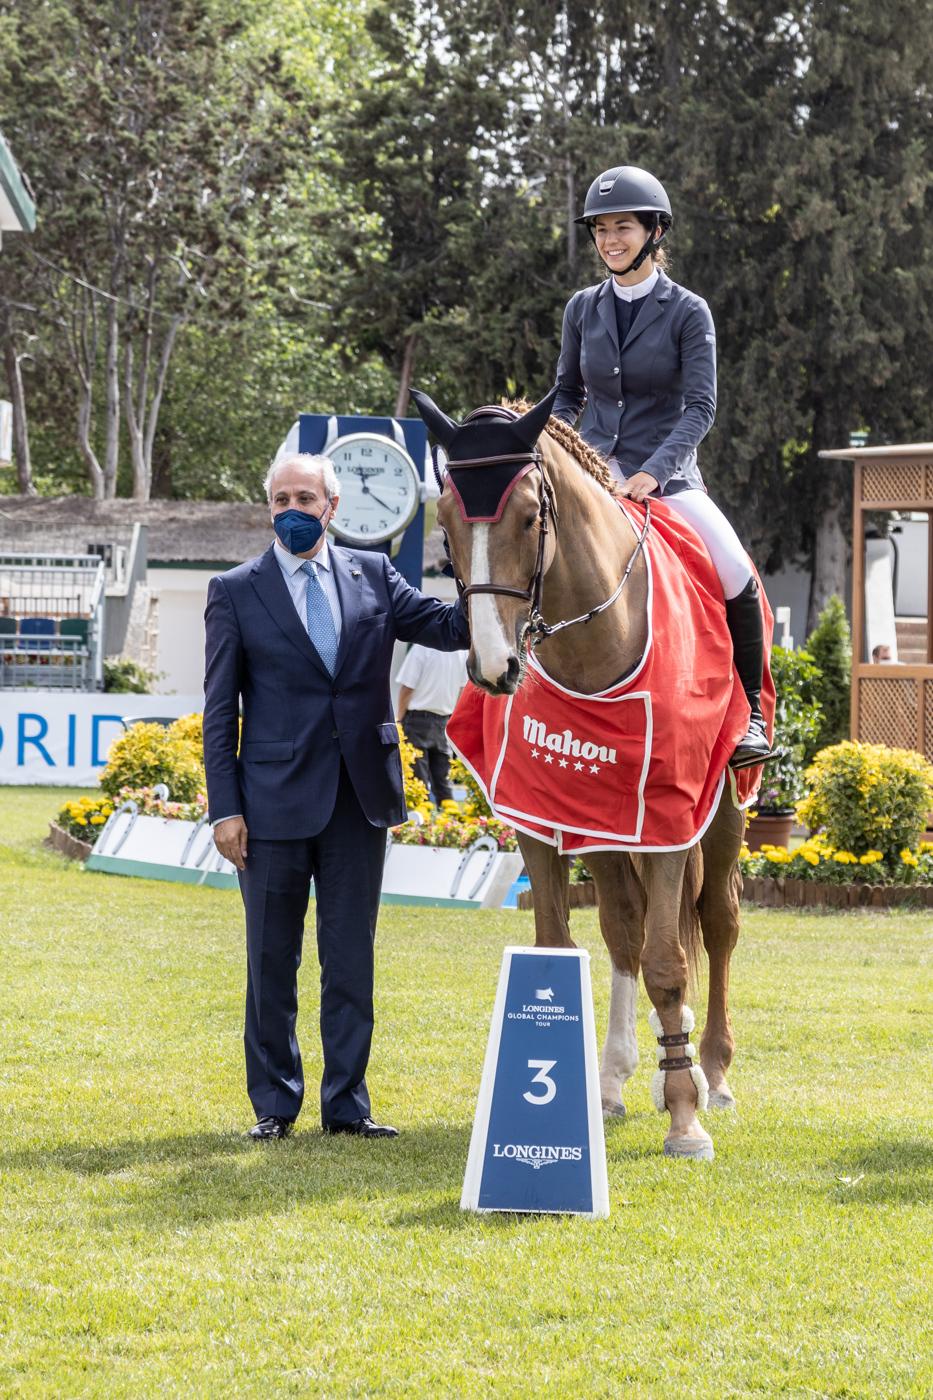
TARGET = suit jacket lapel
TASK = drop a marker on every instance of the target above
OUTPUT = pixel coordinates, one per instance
(268, 582)
(349, 580)
(606, 306)
(656, 305)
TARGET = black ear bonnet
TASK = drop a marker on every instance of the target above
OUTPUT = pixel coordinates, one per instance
(488, 453)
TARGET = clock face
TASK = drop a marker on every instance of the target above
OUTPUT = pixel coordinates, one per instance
(380, 490)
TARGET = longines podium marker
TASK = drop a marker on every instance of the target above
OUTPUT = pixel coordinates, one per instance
(537, 1141)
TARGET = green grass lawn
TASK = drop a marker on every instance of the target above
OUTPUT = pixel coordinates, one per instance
(148, 1249)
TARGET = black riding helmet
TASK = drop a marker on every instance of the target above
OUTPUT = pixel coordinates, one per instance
(629, 189)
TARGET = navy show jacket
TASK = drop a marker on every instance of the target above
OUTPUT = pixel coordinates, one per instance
(298, 720)
(650, 403)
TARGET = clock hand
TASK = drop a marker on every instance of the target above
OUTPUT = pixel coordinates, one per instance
(384, 504)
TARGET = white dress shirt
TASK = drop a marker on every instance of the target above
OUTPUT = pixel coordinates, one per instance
(640, 289)
(297, 582)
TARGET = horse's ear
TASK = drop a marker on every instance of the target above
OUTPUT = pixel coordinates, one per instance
(532, 424)
(441, 426)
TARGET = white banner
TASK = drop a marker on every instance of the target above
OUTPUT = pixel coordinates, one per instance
(48, 737)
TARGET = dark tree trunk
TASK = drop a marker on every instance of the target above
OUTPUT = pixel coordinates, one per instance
(406, 374)
(831, 549)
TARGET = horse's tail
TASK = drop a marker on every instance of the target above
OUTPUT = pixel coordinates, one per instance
(691, 938)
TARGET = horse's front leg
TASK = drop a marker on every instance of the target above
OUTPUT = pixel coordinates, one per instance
(665, 967)
(622, 923)
(719, 916)
(549, 873)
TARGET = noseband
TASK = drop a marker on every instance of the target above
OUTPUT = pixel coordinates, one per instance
(538, 629)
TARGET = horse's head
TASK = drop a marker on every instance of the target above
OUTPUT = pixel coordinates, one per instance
(495, 510)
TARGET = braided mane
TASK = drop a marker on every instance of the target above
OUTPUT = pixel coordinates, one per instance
(570, 440)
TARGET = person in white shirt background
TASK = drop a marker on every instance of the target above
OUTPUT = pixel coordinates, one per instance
(430, 683)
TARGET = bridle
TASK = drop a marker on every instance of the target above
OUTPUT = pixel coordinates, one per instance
(538, 630)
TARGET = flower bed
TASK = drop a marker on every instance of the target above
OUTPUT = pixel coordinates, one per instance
(817, 873)
(452, 828)
(781, 893)
(83, 819)
(62, 841)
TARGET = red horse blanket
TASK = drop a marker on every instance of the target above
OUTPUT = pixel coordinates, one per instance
(639, 767)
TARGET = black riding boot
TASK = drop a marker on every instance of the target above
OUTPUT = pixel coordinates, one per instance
(743, 614)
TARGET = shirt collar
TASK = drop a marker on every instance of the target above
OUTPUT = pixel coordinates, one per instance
(291, 563)
(641, 289)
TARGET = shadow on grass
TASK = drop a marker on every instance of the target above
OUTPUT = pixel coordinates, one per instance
(895, 1171)
(199, 1178)
(447, 1215)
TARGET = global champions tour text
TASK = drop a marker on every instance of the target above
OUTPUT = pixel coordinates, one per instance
(541, 1011)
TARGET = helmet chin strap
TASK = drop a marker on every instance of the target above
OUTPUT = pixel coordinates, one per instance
(650, 243)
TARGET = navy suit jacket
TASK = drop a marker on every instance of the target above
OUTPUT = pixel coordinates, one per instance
(298, 720)
(650, 402)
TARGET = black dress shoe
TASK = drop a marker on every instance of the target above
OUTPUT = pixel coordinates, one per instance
(269, 1128)
(362, 1127)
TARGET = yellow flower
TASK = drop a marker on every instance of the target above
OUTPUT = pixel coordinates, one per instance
(845, 858)
(778, 855)
(810, 857)
(925, 848)
(98, 820)
(908, 857)
(871, 858)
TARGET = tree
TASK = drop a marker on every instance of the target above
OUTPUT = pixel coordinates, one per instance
(13, 359)
(163, 134)
(830, 645)
(856, 199)
(408, 143)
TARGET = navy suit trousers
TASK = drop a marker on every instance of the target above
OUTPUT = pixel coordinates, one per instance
(345, 860)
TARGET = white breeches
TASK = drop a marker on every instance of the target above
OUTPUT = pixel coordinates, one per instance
(730, 560)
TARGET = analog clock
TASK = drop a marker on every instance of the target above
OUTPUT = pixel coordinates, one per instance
(380, 489)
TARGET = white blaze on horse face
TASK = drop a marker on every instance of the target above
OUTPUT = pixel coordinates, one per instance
(620, 1052)
(491, 649)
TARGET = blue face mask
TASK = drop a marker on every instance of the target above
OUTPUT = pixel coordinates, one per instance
(299, 531)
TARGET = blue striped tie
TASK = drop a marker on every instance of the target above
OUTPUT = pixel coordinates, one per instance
(320, 619)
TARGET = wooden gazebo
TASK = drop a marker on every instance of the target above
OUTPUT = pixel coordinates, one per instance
(891, 704)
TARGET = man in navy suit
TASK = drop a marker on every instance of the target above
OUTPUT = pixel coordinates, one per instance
(303, 635)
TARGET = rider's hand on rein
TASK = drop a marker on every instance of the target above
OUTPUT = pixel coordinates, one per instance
(639, 486)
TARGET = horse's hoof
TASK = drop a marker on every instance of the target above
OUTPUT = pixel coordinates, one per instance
(720, 1098)
(699, 1149)
(613, 1110)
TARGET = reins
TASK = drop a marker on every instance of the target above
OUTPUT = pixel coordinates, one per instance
(538, 629)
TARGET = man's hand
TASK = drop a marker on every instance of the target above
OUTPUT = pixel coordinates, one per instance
(638, 486)
(230, 840)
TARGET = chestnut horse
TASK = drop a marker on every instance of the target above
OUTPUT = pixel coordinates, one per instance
(562, 552)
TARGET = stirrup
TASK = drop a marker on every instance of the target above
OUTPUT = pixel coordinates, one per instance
(757, 731)
(752, 761)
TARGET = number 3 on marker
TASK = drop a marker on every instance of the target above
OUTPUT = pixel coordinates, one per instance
(542, 1077)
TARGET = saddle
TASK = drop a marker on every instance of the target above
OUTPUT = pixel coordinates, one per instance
(643, 765)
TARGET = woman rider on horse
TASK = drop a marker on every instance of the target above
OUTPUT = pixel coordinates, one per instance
(639, 352)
